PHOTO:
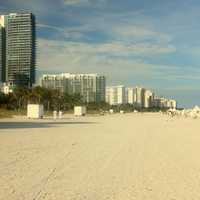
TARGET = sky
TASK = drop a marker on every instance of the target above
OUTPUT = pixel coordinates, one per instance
(149, 43)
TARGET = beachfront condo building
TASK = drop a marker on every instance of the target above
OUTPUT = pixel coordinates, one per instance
(147, 98)
(134, 95)
(115, 95)
(137, 96)
(138, 93)
(19, 48)
(161, 102)
(90, 86)
(172, 103)
(130, 95)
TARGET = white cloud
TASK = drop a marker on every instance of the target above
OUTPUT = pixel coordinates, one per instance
(73, 33)
(115, 60)
(140, 33)
(75, 2)
(116, 56)
(91, 3)
(127, 38)
(80, 28)
(112, 59)
(113, 48)
(38, 7)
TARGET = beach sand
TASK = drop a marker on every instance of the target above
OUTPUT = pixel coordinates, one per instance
(121, 157)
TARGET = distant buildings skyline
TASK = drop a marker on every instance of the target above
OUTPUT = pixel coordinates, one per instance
(18, 60)
(140, 97)
(150, 43)
(93, 88)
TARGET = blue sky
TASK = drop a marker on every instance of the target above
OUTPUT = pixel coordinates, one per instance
(152, 43)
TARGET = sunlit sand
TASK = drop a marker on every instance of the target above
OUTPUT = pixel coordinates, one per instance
(116, 157)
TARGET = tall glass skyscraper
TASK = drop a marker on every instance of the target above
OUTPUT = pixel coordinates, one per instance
(1, 54)
(2, 50)
(20, 48)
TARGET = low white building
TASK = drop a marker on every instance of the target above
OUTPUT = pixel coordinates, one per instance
(80, 110)
(35, 111)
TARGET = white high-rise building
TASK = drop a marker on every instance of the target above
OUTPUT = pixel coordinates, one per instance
(148, 97)
(130, 95)
(138, 92)
(2, 20)
(172, 104)
(115, 95)
(111, 95)
(90, 86)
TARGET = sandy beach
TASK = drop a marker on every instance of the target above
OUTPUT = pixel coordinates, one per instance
(112, 157)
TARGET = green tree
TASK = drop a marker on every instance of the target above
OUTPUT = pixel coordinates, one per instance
(20, 94)
(3, 100)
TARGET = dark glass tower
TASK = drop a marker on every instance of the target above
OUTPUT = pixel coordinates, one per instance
(2, 49)
(20, 49)
(1, 54)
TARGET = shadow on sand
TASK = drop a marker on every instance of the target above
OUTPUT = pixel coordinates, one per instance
(16, 125)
